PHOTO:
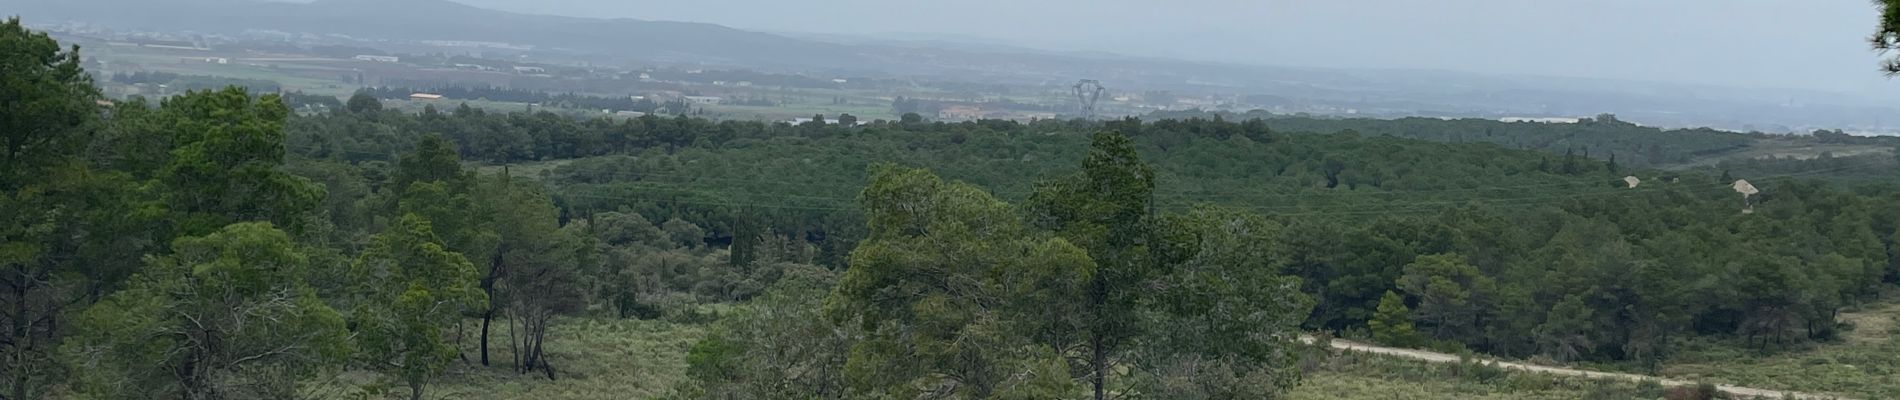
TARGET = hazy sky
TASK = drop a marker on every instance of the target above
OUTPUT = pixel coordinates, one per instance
(1813, 44)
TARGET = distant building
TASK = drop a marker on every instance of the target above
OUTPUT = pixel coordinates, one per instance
(475, 67)
(704, 99)
(387, 59)
(531, 70)
(425, 97)
(1029, 116)
(840, 80)
(960, 113)
(1541, 120)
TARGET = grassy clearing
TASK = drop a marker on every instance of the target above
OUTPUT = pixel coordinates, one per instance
(1785, 148)
(529, 170)
(1355, 376)
(605, 358)
(602, 358)
(1865, 363)
(596, 358)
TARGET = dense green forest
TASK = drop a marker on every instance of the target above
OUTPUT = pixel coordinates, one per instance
(1602, 137)
(219, 245)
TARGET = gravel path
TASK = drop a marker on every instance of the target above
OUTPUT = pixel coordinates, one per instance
(1450, 358)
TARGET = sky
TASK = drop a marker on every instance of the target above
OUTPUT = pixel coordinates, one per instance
(1798, 44)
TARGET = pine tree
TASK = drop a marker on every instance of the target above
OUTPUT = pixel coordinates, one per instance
(1392, 322)
(1570, 162)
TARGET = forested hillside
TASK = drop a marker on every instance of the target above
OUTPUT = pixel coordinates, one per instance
(218, 245)
(1601, 137)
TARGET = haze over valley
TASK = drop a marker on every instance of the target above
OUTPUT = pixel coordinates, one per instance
(1700, 73)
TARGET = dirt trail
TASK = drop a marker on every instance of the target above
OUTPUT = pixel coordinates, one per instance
(1450, 358)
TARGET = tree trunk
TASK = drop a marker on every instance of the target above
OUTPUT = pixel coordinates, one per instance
(513, 344)
(495, 266)
(1100, 362)
(487, 316)
(460, 335)
(415, 391)
(530, 343)
(1098, 357)
(20, 332)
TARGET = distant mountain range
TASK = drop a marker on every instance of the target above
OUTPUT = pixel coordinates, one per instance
(1366, 91)
(446, 20)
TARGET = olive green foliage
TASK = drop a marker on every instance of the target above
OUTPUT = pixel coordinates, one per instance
(363, 102)
(228, 315)
(433, 160)
(1451, 294)
(1106, 209)
(1392, 324)
(1224, 320)
(683, 234)
(1186, 306)
(546, 267)
(412, 289)
(47, 113)
(1565, 334)
(48, 98)
(778, 346)
(227, 147)
(1602, 137)
(956, 296)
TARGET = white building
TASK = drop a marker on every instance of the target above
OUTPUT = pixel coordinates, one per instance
(1540, 120)
(387, 59)
(704, 99)
(475, 67)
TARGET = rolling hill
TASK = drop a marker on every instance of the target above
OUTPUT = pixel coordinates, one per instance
(446, 20)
